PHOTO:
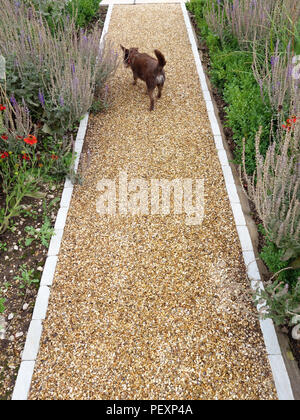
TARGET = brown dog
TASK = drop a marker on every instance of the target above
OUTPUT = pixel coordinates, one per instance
(146, 68)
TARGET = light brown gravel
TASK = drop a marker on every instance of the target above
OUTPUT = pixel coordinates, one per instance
(147, 307)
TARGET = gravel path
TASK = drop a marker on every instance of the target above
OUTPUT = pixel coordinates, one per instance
(145, 306)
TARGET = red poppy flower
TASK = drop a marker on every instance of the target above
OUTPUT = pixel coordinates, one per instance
(4, 155)
(25, 157)
(30, 139)
(4, 137)
(2, 108)
(54, 157)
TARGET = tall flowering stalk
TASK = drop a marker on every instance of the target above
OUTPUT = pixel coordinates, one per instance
(59, 72)
(247, 20)
(275, 189)
(274, 75)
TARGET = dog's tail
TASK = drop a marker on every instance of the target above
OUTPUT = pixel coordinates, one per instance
(161, 60)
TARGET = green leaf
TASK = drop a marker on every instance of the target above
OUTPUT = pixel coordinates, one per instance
(289, 253)
(35, 194)
(46, 129)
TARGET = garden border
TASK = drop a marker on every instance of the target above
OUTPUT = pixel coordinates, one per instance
(280, 375)
(30, 351)
(31, 347)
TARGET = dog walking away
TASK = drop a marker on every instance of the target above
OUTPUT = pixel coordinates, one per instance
(146, 68)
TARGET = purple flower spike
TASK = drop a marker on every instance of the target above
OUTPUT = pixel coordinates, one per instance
(41, 98)
(13, 101)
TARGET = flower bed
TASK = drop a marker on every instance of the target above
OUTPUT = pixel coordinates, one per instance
(250, 50)
(55, 73)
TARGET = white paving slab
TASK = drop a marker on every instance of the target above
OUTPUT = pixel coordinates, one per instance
(49, 270)
(32, 340)
(23, 381)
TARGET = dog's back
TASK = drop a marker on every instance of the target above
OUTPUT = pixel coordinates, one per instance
(147, 68)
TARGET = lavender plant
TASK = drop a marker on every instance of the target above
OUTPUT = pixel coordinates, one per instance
(56, 74)
(275, 188)
(281, 302)
(249, 20)
(274, 75)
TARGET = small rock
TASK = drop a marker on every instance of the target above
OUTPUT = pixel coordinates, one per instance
(40, 268)
(10, 316)
(25, 306)
(19, 334)
(16, 247)
(2, 327)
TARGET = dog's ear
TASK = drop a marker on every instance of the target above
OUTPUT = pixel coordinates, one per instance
(123, 48)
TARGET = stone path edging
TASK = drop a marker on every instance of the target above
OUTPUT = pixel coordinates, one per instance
(31, 347)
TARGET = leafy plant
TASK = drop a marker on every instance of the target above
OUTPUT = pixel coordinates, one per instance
(26, 277)
(275, 191)
(42, 234)
(3, 246)
(2, 305)
(280, 302)
(56, 74)
(272, 257)
(83, 10)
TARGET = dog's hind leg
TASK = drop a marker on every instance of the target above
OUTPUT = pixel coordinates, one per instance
(150, 93)
(159, 87)
(134, 78)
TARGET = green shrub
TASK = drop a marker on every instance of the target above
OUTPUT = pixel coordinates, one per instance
(84, 10)
(271, 255)
(280, 302)
(231, 72)
(245, 113)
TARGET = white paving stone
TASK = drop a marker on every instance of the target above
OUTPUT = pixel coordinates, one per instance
(23, 381)
(55, 242)
(49, 270)
(245, 238)
(41, 303)
(251, 265)
(61, 218)
(238, 214)
(282, 381)
(268, 331)
(227, 172)
(32, 340)
(219, 142)
(223, 157)
(209, 105)
(232, 193)
(66, 197)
